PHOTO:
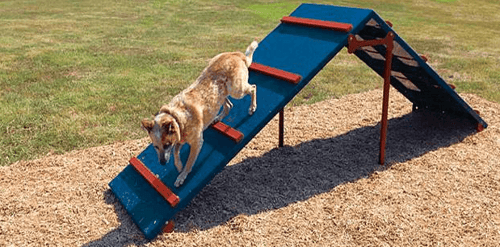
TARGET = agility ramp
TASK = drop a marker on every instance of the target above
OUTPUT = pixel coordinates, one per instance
(286, 60)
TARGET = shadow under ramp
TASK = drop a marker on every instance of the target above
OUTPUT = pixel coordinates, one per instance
(292, 174)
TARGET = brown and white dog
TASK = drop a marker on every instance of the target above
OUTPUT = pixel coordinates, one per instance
(190, 112)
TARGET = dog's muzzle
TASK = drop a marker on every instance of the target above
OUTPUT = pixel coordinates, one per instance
(164, 155)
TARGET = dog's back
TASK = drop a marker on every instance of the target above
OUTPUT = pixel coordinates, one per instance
(211, 88)
(216, 82)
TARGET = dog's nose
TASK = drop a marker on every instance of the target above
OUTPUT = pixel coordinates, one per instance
(162, 159)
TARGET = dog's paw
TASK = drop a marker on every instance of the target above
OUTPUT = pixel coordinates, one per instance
(216, 119)
(180, 179)
(252, 110)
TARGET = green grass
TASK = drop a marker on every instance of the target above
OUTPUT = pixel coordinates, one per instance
(76, 74)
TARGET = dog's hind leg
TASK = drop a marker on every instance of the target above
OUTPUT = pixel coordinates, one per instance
(193, 155)
(252, 90)
(241, 87)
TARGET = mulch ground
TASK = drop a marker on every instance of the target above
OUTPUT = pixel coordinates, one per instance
(440, 186)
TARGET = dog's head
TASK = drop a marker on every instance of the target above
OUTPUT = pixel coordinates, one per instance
(164, 132)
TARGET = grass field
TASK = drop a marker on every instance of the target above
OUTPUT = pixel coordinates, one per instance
(75, 74)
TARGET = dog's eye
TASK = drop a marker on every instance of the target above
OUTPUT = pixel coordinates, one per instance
(156, 147)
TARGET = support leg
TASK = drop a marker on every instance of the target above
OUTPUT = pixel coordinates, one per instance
(169, 226)
(388, 41)
(383, 128)
(385, 103)
(281, 128)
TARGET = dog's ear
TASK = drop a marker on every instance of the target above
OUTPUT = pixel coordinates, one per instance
(147, 124)
(177, 130)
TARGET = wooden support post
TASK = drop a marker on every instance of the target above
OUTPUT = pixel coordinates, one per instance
(388, 41)
(385, 104)
(169, 227)
(281, 128)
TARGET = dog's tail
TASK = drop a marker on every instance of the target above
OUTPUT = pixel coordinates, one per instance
(249, 52)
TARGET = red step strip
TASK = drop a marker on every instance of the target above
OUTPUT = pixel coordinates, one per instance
(337, 26)
(277, 73)
(156, 183)
(228, 131)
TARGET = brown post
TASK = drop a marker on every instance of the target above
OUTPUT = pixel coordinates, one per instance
(388, 41)
(385, 104)
(281, 127)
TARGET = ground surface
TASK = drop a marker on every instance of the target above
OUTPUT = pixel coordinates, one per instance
(440, 187)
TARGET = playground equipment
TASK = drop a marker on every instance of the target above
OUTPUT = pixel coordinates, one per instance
(286, 60)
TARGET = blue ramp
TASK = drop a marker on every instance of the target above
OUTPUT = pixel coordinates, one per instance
(297, 49)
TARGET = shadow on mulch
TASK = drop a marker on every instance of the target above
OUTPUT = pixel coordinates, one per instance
(292, 174)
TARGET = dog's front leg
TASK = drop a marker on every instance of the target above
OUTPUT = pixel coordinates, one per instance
(193, 155)
(177, 157)
(225, 110)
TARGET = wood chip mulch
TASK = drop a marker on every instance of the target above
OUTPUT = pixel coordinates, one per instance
(440, 185)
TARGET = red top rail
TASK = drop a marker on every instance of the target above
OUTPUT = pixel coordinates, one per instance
(337, 26)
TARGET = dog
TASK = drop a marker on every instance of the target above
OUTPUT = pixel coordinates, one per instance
(189, 113)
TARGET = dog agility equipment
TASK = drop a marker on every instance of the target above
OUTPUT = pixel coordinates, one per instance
(286, 60)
